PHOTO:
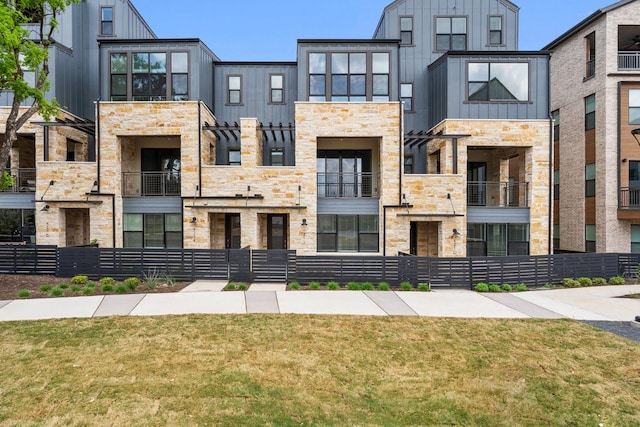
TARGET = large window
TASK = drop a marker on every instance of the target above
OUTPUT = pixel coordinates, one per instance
(152, 230)
(498, 81)
(555, 115)
(590, 112)
(590, 41)
(556, 237)
(590, 180)
(497, 239)
(348, 76)
(106, 21)
(406, 30)
(634, 106)
(180, 76)
(495, 30)
(348, 233)
(234, 90)
(635, 239)
(317, 77)
(119, 69)
(590, 238)
(149, 76)
(276, 89)
(380, 69)
(406, 96)
(17, 225)
(451, 33)
(556, 184)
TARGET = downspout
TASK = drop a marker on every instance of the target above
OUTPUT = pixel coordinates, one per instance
(619, 141)
(550, 185)
(97, 136)
(199, 149)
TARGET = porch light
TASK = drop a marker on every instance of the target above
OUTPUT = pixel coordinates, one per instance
(194, 220)
(456, 233)
(45, 208)
(304, 222)
(635, 132)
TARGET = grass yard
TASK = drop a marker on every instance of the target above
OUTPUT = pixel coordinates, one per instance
(289, 370)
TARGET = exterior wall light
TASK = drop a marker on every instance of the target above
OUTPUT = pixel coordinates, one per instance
(635, 133)
(304, 222)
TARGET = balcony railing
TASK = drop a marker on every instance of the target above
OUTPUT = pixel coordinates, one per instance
(630, 198)
(497, 194)
(24, 180)
(628, 60)
(362, 184)
(141, 184)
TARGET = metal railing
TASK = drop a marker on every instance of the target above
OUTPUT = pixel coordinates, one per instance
(24, 180)
(628, 60)
(141, 184)
(630, 198)
(498, 194)
(362, 184)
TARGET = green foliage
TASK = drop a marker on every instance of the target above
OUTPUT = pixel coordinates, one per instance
(383, 286)
(406, 286)
(294, 285)
(585, 281)
(616, 281)
(494, 288)
(570, 283)
(91, 285)
(424, 287)
(506, 287)
(63, 286)
(482, 287)
(45, 288)
(367, 286)
(121, 289)
(599, 281)
(332, 286)
(57, 292)
(25, 293)
(353, 286)
(88, 291)
(6, 180)
(231, 286)
(169, 280)
(151, 278)
(131, 283)
(520, 287)
(75, 288)
(79, 280)
(107, 288)
(107, 281)
(242, 287)
(314, 285)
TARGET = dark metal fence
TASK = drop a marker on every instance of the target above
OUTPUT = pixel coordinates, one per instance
(285, 266)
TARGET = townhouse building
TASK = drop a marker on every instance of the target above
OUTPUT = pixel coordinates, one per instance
(432, 138)
(595, 102)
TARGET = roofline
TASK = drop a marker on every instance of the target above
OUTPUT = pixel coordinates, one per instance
(158, 41)
(274, 63)
(585, 22)
(153, 33)
(370, 41)
(486, 54)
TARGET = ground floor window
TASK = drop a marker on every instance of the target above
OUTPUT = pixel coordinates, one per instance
(635, 239)
(17, 225)
(348, 233)
(152, 230)
(590, 238)
(497, 239)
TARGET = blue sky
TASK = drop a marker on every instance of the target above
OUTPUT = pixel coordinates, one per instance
(267, 30)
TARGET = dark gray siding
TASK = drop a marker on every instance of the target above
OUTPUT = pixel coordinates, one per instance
(152, 205)
(498, 215)
(347, 206)
(17, 201)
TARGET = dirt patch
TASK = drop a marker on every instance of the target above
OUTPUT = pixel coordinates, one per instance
(12, 284)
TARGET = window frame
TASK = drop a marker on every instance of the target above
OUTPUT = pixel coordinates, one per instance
(555, 117)
(103, 21)
(317, 97)
(556, 184)
(230, 91)
(234, 150)
(590, 52)
(589, 115)
(149, 96)
(450, 34)
(408, 164)
(142, 232)
(357, 236)
(590, 172)
(280, 150)
(633, 107)
(403, 33)
(487, 82)
(491, 31)
(411, 108)
(179, 73)
(635, 244)
(589, 245)
(272, 88)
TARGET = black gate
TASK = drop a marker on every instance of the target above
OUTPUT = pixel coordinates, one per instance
(272, 265)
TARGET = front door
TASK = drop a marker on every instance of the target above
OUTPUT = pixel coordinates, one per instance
(276, 231)
(232, 231)
(413, 238)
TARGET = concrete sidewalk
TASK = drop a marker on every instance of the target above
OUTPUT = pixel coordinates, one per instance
(593, 304)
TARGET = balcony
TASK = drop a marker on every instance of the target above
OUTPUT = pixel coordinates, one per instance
(364, 184)
(150, 184)
(24, 180)
(628, 61)
(497, 194)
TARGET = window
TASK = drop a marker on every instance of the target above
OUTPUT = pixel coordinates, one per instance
(408, 164)
(317, 77)
(119, 69)
(498, 81)
(149, 76)
(29, 74)
(17, 225)
(556, 185)
(556, 237)
(635, 239)
(555, 116)
(590, 112)
(277, 89)
(180, 76)
(234, 84)
(348, 233)
(634, 106)
(451, 34)
(234, 157)
(380, 69)
(497, 239)
(106, 21)
(634, 183)
(276, 157)
(495, 30)
(590, 180)
(590, 238)
(406, 95)
(348, 77)
(152, 230)
(591, 55)
(406, 30)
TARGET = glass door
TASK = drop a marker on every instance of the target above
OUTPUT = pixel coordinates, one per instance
(276, 231)
(232, 231)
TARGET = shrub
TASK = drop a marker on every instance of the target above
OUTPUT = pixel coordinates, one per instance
(151, 278)
(25, 293)
(45, 288)
(314, 285)
(294, 285)
(383, 286)
(242, 287)
(616, 280)
(353, 286)
(424, 287)
(107, 288)
(332, 285)
(88, 291)
(131, 283)
(406, 286)
(482, 287)
(506, 287)
(520, 287)
(367, 286)
(169, 280)
(494, 288)
(585, 281)
(570, 283)
(121, 289)
(75, 288)
(63, 286)
(599, 281)
(107, 281)
(57, 292)
(231, 287)
(91, 285)
(79, 280)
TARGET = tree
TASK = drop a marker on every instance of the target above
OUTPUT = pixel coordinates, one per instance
(26, 33)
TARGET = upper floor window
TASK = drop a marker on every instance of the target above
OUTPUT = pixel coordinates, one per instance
(119, 67)
(380, 69)
(635, 239)
(495, 30)
(408, 164)
(591, 54)
(555, 116)
(634, 106)
(149, 76)
(406, 30)
(234, 85)
(451, 33)
(406, 95)
(590, 238)
(498, 81)
(590, 180)
(348, 76)
(556, 184)
(276, 89)
(590, 112)
(180, 76)
(29, 75)
(106, 21)
(317, 77)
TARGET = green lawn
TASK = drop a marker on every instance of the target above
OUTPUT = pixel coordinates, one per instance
(289, 370)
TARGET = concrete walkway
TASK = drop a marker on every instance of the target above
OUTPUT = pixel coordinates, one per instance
(591, 304)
